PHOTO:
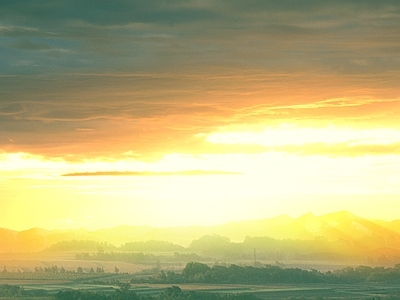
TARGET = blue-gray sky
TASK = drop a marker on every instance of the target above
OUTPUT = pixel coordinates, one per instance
(72, 65)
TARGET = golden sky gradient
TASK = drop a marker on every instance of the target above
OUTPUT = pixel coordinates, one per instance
(195, 112)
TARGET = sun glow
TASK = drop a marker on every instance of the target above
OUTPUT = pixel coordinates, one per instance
(205, 188)
(216, 188)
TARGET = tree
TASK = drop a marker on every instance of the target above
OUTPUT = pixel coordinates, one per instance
(172, 291)
(99, 270)
(194, 268)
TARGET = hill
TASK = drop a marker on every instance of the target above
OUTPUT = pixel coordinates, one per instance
(345, 229)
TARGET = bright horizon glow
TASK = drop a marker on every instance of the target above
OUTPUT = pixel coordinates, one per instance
(271, 182)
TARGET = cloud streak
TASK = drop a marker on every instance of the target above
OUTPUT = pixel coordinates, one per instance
(189, 172)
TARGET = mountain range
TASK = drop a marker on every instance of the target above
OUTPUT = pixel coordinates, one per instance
(343, 227)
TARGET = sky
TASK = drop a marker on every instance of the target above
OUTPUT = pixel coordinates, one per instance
(173, 113)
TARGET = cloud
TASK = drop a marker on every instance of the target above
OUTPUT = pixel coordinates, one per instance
(144, 73)
(189, 172)
(17, 31)
(105, 13)
(157, 112)
(343, 149)
(11, 109)
(293, 135)
(159, 34)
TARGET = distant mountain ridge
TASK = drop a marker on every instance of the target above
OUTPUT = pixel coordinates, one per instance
(340, 226)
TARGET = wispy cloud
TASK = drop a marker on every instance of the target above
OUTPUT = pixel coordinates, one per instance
(190, 172)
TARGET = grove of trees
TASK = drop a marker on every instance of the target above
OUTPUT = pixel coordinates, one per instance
(201, 273)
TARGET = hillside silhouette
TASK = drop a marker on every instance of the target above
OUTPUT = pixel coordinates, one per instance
(329, 234)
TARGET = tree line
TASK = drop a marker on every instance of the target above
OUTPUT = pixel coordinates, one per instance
(138, 257)
(52, 273)
(196, 272)
(140, 246)
(222, 248)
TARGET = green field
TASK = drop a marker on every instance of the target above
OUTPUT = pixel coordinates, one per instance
(267, 291)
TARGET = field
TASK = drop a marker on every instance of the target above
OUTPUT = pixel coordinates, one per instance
(19, 270)
(107, 283)
(312, 291)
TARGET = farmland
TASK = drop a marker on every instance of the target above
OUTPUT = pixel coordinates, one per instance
(310, 291)
(145, 282)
